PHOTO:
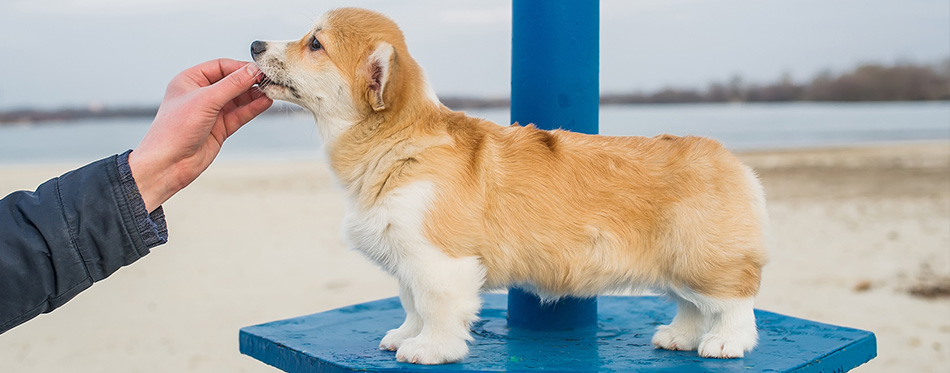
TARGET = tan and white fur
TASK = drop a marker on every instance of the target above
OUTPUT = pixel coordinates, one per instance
(453, 205)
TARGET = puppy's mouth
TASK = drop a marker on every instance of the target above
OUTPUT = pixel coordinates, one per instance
(267, 81)
(278, 89)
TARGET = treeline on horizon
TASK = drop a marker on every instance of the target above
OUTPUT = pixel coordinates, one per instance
(867, 82)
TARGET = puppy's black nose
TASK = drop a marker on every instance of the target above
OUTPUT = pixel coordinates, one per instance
(258, 47)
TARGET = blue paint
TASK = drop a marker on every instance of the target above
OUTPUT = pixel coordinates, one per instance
(346, 340)
(555, 56)
(525, 310)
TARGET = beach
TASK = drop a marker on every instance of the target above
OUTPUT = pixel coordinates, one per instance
(860, 237)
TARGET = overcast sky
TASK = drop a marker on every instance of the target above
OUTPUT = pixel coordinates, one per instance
(57, 53)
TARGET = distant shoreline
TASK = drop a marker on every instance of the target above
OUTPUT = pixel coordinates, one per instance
(900, 82)
(39, 116)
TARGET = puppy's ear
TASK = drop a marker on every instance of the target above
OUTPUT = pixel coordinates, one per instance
(378, 68)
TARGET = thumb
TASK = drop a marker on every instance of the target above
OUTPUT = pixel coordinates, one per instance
(233, 85)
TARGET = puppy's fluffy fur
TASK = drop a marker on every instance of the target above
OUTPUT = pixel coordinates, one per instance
(452, 205)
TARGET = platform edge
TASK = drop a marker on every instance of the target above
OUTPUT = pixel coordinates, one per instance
(862, 351)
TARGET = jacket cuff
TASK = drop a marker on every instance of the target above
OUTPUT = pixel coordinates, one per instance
(151, 226)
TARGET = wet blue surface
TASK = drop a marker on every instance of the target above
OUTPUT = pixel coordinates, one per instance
(347, 340)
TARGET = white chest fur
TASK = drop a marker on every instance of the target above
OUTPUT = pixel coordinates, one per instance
(392, 230)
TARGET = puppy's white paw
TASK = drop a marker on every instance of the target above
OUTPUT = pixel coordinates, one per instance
(669, 337)
(429, 351)
(394, 338)
(725, 347)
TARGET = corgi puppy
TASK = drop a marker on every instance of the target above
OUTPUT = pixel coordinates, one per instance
(453, 205)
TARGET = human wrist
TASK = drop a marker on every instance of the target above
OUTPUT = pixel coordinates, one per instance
(150, 225)
(150, 178)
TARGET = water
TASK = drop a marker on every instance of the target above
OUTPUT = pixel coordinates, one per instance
(739, 126)
(280, 136)
(777, 126)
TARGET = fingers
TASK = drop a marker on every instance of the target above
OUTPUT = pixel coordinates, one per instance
(215, 70)
(233, 85)
(238, 117)
(203, 75)
(248, 96)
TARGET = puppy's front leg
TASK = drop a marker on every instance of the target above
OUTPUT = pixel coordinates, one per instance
(685, 332)
(409, 328)
(446, 295)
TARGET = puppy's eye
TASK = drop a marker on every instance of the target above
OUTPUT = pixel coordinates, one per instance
(315, 44)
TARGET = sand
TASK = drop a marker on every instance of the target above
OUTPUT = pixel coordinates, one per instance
(860, 238)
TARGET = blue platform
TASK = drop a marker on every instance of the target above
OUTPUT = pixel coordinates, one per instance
(346, 340)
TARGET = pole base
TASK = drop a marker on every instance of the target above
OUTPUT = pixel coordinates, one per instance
(525, 310)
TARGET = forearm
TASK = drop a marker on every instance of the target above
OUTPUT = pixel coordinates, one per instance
(72, 231)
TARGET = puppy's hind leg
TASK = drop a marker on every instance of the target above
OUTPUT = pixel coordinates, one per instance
(446, 295)
(686, 330)
(409, 328)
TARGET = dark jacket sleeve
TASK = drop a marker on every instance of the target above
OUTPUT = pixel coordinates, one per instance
(73, 230)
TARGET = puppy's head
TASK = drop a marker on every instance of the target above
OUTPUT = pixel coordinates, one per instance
(353, 62)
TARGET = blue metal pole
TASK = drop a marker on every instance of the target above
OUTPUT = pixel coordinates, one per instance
(555, 56)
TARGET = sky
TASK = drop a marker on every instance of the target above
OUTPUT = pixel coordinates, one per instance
(76, 53)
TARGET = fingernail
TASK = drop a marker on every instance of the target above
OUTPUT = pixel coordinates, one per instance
(252, 69)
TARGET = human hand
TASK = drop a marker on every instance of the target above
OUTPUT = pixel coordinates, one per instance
(203, 106)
